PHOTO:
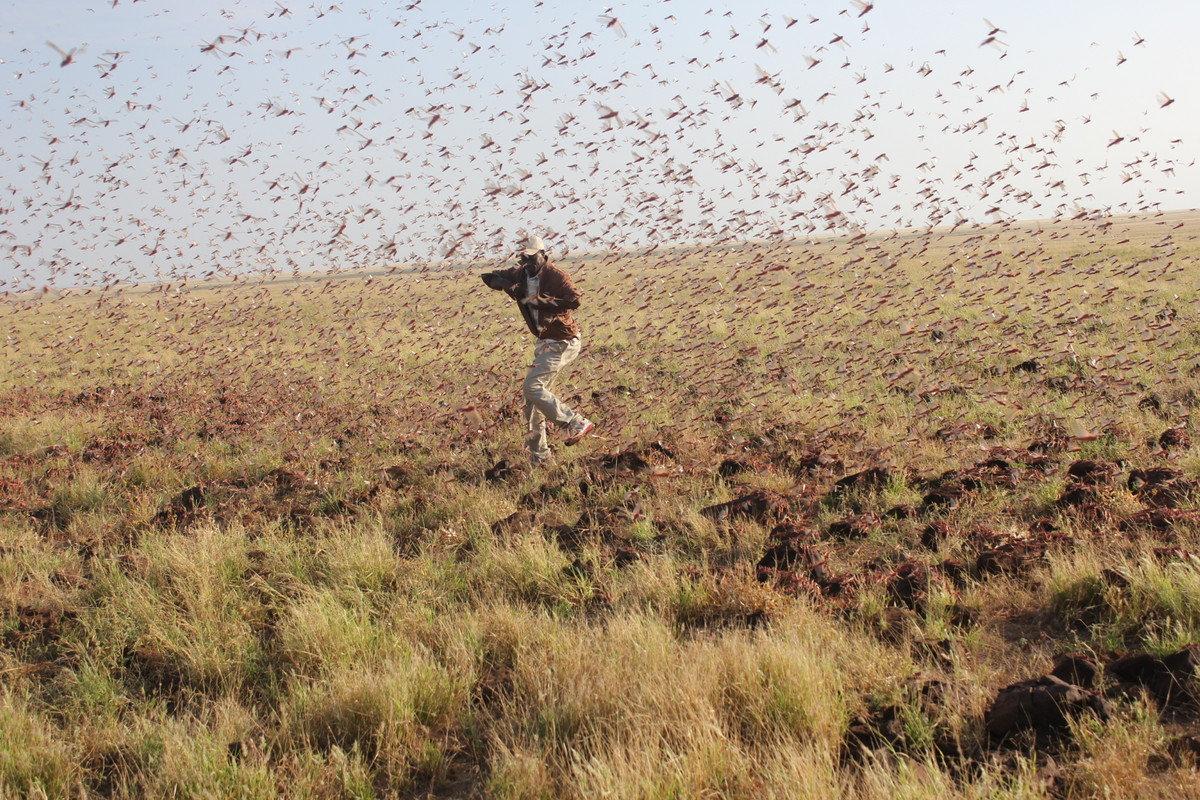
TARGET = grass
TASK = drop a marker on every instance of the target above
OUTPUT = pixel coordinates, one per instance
(1137, 601)
(347, 608)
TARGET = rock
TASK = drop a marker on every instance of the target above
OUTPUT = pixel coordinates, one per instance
(1171, 494)
(501, 471)
(790, 531)
(1175, 439)
(944, 497)
(1056, 442)
(1140, 479)
(909, 584)
(1045, 704)
(935, 533)
(625, 461)
(794, 567)
(839, 585)
(1077, 496)
(624, 556)
(895, 624)
(1160, 520)
(900, 512)
(190, 499)
(883, 728)
(790, 555)
(873, 478)
(394, 477)
(1093, 473)
(288, 481)
(183, 507)
(790, 582)
(856, 526)
(659, 446)
(811, 461)
(762, 505)
(1168, 679)
(1029, 366)
(1152, 403)
(732, 466)
(1051, 776)
(1043, 525)
(993, 471)
(1010, 558)
(1076, 669)
(962, 616)
(954, 571)
(517, 522)
(1185, 748)
(1162, 487)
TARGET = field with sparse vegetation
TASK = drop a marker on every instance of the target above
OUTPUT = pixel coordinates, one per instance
(908, 515)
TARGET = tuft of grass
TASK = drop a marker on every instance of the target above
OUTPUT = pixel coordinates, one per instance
(1145, 602)
(34, 759)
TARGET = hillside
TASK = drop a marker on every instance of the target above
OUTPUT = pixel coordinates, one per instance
(276, 539)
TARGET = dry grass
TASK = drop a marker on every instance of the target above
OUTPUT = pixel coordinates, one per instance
(247, 547)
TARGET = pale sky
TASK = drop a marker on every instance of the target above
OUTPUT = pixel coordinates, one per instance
(192, 139)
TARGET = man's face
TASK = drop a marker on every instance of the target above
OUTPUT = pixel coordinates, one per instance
(532, 263)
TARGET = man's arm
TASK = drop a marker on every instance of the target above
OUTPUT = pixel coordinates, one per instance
(562, 296)
(504, 280)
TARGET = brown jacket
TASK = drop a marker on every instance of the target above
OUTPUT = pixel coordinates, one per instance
(557, 295)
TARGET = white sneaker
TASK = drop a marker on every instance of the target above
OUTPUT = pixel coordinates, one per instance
(579, 429)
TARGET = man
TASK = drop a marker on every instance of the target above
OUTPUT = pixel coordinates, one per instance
(545, 296)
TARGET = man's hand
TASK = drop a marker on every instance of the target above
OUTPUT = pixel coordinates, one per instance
(493, 281)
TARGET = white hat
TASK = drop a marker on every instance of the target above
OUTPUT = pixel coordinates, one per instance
(533, 245)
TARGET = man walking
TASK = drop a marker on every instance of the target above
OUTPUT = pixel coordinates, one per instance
(545, 296)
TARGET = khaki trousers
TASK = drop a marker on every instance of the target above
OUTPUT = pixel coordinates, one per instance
(549, 358)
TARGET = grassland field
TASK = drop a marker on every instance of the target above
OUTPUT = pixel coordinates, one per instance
(276, 538)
